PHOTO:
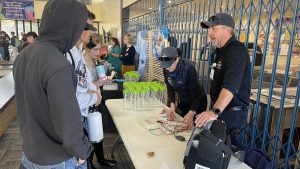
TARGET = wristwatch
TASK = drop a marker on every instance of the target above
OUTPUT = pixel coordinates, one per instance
(216, 111)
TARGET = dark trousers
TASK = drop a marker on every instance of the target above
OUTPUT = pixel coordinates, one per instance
(235, 120)
(98, 149)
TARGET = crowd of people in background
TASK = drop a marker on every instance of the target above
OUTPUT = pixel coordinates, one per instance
(10, 46)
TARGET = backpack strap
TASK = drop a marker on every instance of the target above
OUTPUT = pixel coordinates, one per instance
(72, 59)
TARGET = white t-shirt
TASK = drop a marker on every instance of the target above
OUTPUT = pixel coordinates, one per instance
(85, 99)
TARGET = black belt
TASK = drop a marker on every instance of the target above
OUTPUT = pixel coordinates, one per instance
(235, 108)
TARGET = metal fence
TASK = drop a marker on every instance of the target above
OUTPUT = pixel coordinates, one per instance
(270, 30)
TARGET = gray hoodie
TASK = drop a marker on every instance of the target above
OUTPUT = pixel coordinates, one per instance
(45, 86)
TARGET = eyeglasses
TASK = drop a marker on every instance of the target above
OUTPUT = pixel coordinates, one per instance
(166, 58)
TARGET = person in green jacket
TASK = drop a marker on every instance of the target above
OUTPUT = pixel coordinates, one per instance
(113, 55)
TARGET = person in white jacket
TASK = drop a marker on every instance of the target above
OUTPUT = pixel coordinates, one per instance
(86, 91)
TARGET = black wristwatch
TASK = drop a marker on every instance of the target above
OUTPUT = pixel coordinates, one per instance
(216, 111)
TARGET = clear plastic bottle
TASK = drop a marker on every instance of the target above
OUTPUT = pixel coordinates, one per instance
(127, 99)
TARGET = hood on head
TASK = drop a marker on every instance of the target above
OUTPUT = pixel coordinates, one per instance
(62, 23)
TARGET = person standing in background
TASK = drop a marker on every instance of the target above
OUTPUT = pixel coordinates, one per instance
(5, 43)
(14, 42)
(91, 54)
(127, 55)
(13, 39)
(86, 91)
(30, 38)
(114, 55)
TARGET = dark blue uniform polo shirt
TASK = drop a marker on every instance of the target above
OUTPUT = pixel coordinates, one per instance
(231, 69)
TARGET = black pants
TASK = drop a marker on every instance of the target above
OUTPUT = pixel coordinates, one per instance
(6, 54)
(235, 120)
(98, 149)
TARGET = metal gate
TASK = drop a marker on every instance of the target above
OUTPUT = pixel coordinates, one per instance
(270, 29)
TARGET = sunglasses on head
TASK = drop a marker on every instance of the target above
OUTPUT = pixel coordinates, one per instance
(166, 58)
(213, 18)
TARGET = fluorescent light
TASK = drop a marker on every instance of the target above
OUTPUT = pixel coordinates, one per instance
(169, 1)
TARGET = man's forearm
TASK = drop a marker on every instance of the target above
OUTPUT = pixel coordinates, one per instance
(224, 99)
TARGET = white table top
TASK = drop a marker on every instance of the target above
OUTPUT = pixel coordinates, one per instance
(168, 152)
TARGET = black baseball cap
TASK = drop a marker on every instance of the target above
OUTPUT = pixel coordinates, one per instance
(218, 19)
(167, 57)
(90, 27)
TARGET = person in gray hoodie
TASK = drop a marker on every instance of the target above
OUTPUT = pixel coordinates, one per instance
(45, 87)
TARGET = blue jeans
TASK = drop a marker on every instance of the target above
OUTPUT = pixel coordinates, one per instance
(68, 164)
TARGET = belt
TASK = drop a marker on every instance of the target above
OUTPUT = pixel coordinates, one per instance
(235, 108)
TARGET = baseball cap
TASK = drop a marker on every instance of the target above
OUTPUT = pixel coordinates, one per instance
(218, 19)
(90, 27)
(168, 56)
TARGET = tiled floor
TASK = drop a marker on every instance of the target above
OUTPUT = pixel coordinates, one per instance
(11, 150)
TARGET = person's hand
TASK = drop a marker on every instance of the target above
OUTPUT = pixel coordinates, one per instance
(205, 117)
(188, 119)
(100, 82)
(80, 162)
(99, 97)
(172, 114)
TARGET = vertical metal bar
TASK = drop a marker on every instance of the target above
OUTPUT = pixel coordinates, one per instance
(286, 75)
(241, 19)
(30, 26)
(38, 25)
(180, 24)
(17, 28)
(209, 53)
(221, 6)
(295, 112)
(202, 45)
(186, 32)
(215, 6)
(197, 33)
(248, 24)
(233, 8)
(269, 21)
(256, 38)
(24, 26)
(201, 35)
(227, 6)
(190, 49)
(161, 13)
(177, 13)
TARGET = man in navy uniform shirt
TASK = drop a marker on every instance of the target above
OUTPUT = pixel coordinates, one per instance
(230, 77)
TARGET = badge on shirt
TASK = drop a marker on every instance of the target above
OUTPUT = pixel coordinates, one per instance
(212, 71)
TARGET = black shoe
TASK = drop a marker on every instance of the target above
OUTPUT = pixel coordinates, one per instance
(107, 163)
(90, 164)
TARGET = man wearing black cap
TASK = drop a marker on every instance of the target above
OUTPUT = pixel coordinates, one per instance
(230, 77)
(181, 77)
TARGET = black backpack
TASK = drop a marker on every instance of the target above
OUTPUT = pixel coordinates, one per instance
(208, 147)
